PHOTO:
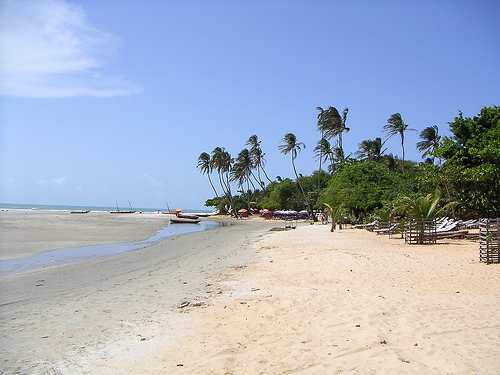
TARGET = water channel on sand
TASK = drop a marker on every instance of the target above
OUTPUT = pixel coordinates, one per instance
(64, 256)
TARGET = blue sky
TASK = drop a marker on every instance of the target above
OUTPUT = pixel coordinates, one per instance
(113, 101)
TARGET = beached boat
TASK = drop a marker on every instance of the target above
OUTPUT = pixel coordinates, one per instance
(188, 216)
(118, 211)
(80, 211)
(179, 220)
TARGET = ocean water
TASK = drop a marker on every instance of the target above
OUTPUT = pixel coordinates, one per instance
(56, 208)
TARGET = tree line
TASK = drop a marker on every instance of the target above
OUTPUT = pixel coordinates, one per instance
(464, 168)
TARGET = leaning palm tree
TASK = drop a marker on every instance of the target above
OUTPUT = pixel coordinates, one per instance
(331, 124)
(323, 152)
(205, 168)
(292, 147)
(257, 156)
(430, 141)
(222, 162)
(395, 125)
(244, 166)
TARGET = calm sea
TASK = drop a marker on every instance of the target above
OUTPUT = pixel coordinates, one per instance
(43, 207)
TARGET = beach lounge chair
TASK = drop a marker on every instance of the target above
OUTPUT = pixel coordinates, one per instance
(392, 229)
(373, 223)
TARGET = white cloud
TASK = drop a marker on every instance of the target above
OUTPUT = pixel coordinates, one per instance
(49, 49)
(54, 182)
(151, 180)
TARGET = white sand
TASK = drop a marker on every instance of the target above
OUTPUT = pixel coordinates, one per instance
(308, 301)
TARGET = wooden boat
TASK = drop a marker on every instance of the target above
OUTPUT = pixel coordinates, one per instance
(180, 220)
(118, 211)
(80, 211)
(187, 216)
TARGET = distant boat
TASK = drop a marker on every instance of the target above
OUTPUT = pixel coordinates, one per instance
(80, 211)
(180, 220)
(118, 211)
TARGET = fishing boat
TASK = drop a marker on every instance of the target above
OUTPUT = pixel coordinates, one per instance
(80, 211)
(171, 212)
(187, 216)
(118, 211)
(180, 220)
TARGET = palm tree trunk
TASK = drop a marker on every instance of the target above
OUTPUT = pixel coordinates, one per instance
(256, 180)
(303, 193)
(230, 197)
(403, 147)
(260, 182)
(320, 160)
(341, 149)
(225, 190)
(265, 174)
(211, 184)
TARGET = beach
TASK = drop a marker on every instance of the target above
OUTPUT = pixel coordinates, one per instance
(242, 299)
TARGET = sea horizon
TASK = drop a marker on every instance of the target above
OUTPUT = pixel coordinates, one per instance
(68, 208)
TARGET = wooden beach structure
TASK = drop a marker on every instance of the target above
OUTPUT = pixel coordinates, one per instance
(420, 231)
(489, 241)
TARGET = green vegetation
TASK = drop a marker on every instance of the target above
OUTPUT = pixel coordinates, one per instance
(467, 175)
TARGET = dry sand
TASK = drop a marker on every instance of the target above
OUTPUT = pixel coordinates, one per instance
(302, 301)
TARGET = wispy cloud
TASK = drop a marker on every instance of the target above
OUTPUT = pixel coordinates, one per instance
(151, 180)
(49, 49)
(53, 182)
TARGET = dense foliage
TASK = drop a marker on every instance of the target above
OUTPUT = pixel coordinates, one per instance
(363, 186)
(467, 173)
(470, 173)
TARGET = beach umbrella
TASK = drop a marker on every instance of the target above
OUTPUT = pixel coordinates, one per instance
(242, 210)
(178, 210)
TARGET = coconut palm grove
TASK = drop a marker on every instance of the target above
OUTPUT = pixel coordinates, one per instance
(460, 172)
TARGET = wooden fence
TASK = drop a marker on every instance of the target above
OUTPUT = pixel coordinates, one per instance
(489, 241)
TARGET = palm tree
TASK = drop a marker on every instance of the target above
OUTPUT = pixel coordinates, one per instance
(331, 124)
(323, 151)
(390, 161)
(292, 147)
(395, 125)
(430, 141)
(336, 214)
(222, 162)
(242, 169)
(257, 156)
(320, 146)
(205, 168)
(371, 150)
(422, 207)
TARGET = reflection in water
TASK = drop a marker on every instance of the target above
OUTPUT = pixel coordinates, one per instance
(64, 256)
